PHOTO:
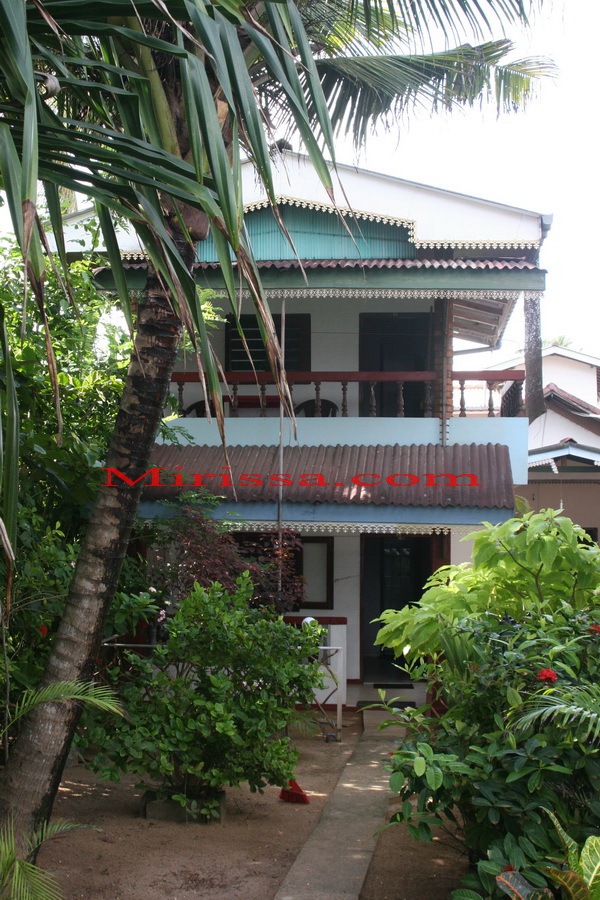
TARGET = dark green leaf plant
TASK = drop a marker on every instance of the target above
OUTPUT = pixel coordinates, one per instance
(209, 708)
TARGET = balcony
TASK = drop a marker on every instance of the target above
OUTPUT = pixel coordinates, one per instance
(372, 394)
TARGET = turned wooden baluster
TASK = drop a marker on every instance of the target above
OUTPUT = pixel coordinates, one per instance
(463, 405)
(428, 405)
(263, 401)
(372, 400)
(491, 413)
(318, 399)
(180, 407)
(345, 399)
(400, 400)
(519, 404)
(234, 401)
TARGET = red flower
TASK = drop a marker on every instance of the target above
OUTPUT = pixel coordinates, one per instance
(43, 630)
(508, 868)
(548, 675)
(593, 629)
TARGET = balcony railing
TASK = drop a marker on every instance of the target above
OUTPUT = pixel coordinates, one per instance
(394, 394)
(509, 405)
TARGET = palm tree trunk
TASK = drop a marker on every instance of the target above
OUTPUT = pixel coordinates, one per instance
(31, 778)
(535, 405)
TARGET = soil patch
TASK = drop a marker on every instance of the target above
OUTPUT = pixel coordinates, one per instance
(124, 857)
(405, 869)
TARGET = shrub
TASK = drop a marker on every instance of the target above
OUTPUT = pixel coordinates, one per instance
(510, 634)
(208, 708)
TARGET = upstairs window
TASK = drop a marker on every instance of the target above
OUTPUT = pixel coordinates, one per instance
(297, 344)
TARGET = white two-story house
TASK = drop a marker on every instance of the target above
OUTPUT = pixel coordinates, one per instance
(377, 475)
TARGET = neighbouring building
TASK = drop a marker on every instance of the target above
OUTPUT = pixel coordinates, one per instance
(564, 443)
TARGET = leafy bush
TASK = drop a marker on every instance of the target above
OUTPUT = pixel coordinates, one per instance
(195, 547)
(579, 879)
(516, 631)
(539, 563)
(207, 709)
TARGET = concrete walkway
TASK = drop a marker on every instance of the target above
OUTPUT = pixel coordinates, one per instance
(333, 863)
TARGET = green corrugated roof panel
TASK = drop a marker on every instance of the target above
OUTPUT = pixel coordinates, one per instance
(319, 235)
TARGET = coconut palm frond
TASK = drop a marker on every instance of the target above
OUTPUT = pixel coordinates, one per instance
(363, 90)
(577, 709)
(20, 879)
(98, 696)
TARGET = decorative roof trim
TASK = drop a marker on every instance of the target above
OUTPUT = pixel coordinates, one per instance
(395, 294)
(410, 224)
(325, 528)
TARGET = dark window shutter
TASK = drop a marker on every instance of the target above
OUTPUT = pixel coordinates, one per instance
(297, 344)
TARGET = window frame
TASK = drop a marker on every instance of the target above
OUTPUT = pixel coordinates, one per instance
(328, 541)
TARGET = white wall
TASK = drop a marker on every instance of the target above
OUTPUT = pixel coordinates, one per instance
(574, 377)
(346, 595)
(460, 551)
(439, 215)
(346, 588)
(552, 428)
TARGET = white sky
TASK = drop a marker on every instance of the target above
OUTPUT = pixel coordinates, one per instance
(545, 159)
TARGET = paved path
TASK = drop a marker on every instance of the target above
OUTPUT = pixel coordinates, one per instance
(333, 863)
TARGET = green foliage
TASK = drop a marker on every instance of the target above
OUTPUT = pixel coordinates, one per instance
(207, 709)
(96, 695)
(21, 879)
(578, 879)
(60, 476)
(539, 563)
(207, 552)
(513, 661)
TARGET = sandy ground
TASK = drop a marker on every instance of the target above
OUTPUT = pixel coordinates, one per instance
(404, 869)
(124, 857)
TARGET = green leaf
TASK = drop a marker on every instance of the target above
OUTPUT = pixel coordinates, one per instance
(434, 778)
(566, 840)
(590, 860)
(573, 884)
(513, 697)
(513, 884)
(419, 765)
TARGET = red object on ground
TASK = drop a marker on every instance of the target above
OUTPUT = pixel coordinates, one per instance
(293, 793)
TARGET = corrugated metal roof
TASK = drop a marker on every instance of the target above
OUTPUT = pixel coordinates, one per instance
(339, 464)
(389, 264)
(139, 261)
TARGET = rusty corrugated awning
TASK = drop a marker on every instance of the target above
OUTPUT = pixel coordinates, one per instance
(338, 465)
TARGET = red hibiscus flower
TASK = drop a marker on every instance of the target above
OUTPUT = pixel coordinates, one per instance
(43, 630)
(548, 675)
(593, 629)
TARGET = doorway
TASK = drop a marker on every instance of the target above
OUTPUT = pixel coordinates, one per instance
(394, 342)
(394, 570)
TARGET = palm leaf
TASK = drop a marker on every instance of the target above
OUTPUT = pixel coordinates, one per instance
(577, 708)
(363, 90)
(98, 696)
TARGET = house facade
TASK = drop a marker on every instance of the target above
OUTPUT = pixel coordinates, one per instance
(377, 473)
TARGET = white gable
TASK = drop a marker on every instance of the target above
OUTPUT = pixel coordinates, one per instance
(438, 217)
